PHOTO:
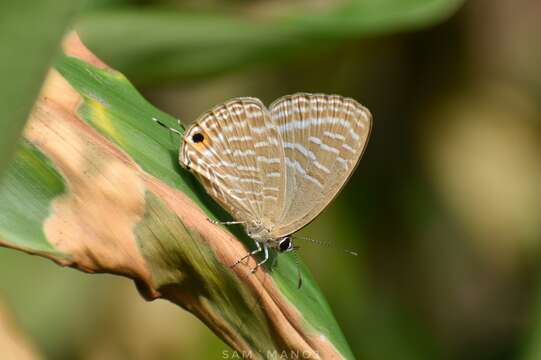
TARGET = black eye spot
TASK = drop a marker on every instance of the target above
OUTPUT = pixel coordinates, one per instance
(284, 245)
(198, 137)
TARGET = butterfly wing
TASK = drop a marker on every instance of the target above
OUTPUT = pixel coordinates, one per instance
(324, 137)
(236, 153)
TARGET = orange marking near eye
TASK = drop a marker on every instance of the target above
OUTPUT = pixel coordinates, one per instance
(200, 146)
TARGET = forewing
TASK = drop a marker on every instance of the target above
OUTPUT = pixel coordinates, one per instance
(324, 137)
(235, 151)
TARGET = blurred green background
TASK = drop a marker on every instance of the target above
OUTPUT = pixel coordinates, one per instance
(444, 209)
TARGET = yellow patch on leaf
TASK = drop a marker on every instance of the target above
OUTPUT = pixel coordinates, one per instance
(101, 119)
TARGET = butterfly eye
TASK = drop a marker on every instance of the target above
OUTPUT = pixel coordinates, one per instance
(198, 137)
(285, 244)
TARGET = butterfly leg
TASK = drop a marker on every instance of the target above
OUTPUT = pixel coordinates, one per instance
(247, 255)
(215, 222)
(266, 251)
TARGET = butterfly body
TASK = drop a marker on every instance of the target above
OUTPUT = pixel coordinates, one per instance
(260, 230)
(274, 170)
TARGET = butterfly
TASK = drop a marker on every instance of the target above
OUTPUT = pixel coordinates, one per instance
(276, 169)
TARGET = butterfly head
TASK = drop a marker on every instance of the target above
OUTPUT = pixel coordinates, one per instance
(285, 244)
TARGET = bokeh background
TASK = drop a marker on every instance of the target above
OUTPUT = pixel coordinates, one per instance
(444, 209)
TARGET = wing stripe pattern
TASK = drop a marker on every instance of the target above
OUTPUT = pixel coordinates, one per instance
(324, 137)
(228, 164)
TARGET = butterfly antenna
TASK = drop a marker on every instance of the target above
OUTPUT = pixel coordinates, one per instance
(297, 263)
(170, 128)
(325, 243)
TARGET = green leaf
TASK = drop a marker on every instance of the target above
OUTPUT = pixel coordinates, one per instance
(531, 348)
(161, 44)
(121, 114)
(30, 32)
(172, 252)
(115, 108)
(26, 191)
